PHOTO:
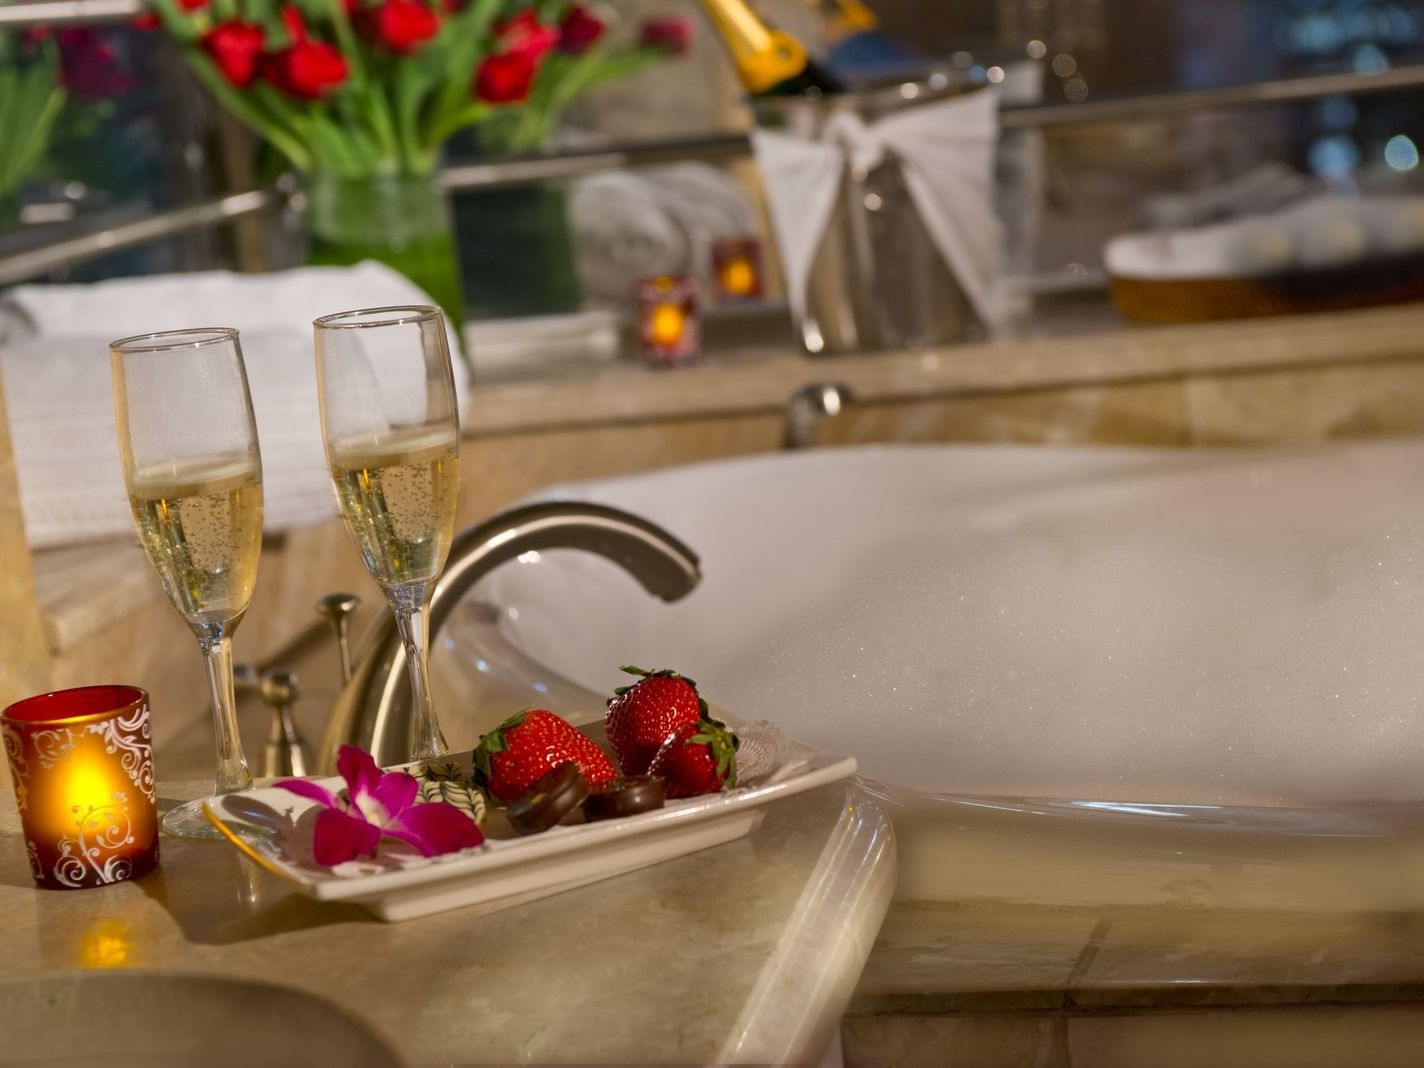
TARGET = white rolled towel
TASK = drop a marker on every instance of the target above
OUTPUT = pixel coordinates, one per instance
(58, 392)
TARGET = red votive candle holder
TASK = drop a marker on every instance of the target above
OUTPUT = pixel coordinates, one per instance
(736, 265)
(82, 764)
(667, 319)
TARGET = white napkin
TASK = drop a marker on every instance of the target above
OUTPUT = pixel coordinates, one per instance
(946, 154)
(58, 392)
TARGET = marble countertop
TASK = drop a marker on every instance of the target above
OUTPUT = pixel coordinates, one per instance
(1091, 347)
(704, 959)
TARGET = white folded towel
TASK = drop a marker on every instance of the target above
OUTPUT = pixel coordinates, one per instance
(58, 392)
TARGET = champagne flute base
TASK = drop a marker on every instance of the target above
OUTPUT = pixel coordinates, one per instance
(189, 821)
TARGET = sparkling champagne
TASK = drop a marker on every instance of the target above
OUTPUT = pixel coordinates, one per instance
(397, 493)
(200, 523)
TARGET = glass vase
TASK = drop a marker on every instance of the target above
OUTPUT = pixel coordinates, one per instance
(517, 252)
(400, 220)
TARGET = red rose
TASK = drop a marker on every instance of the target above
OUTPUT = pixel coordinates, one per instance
(670, 35)
(579, 29)
(400, 26)
(505, 78)
(526, 36)
(235, 47)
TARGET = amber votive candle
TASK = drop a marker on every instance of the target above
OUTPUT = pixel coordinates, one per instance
(667, 319)
(82, 764)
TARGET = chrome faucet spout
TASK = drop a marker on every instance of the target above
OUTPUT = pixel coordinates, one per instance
(373, 711)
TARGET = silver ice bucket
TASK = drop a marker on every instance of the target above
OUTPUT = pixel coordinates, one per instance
(877, 280)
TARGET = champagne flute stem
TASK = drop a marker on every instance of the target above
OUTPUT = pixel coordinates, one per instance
(411, 605)
(233, 775)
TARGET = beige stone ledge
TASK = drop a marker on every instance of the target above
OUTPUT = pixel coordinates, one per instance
(762, 380)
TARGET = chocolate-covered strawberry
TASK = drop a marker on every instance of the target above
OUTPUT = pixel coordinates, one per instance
(644, 714)
(700, 758)
(524, 748)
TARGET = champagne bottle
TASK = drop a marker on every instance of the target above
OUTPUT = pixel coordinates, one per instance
(859, 50)
(769, 61)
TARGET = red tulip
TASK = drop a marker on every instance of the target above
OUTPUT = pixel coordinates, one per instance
(579, 29)
(526, 36)
(145, 20)
(505, 78)
(192, 5)
(524, 41)
(235, 47)
(305, 69)
(400, 26)
(670, 35)
(308, 70)
(88, 64)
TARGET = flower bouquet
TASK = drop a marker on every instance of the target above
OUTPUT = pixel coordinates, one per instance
(361, 95)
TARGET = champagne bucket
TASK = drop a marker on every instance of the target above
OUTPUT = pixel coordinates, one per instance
(877, 281)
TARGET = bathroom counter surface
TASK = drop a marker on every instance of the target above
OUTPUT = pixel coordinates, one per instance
(1089, 348)
(698, 960)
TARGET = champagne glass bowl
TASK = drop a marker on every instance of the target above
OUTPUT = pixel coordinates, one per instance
(392, 433)
(193, 471)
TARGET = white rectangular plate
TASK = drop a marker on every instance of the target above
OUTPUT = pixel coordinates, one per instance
(273, 827)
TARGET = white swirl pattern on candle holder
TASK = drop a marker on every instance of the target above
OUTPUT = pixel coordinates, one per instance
(130, 734)
(19, 766)
(102, 830)
(36, 869)
(52, 747)
(15, 751)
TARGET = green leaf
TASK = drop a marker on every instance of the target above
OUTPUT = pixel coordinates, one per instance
(412, 82)
(36, 141)
(467, 32)
(176, 21)
(253, 110)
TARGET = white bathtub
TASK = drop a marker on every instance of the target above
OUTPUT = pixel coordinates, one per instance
(1193, 628)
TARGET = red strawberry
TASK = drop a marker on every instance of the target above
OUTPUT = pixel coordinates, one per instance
(521, 750)
(700, 758)
(642, 716)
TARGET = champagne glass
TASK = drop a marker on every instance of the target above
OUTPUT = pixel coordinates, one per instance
(392, 432)
(194, 479)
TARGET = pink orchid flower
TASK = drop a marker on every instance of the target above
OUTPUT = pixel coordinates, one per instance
(379, 804)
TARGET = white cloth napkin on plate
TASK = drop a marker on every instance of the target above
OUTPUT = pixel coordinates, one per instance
(58, 393)
(946, 153)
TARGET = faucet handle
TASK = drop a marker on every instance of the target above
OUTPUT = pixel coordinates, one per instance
(811, 406)
(246, 678)
(337, 608)
(286, 753)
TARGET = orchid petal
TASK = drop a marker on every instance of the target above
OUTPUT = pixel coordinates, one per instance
(396, 792)
(436, 827)
(337, 838)
(359, 770)
(312, 791)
